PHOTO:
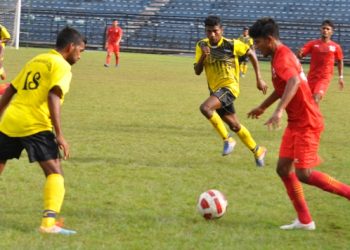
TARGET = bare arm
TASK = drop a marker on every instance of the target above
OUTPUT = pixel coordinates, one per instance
(6, 98)
(54, 101)
(288, 94)
(258, 111)
(260, 83)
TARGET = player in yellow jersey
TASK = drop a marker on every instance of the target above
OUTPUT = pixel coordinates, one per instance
(30, 119)
(243, 60)
(218, 56)
(4, 38)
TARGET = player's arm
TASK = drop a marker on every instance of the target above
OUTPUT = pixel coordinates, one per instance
(54, 101)
(120, 36)
(260, 83)
(288, 94)
(202, 51)
(258, 111)
(107, 37)
(6, 98)
(340, 65)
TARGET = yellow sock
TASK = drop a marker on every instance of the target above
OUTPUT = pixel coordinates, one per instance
(247, 138)
(53, 199)
(245, 68)
(219, 125)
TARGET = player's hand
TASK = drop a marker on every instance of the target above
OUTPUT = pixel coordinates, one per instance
(262, 86)
(274, 123)
(341, 83)
(205, 50)
(255, 113)
(63, 145)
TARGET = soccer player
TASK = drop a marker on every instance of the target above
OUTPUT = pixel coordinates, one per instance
(324, 52)
(298, 150)
(243, 60)
(30, 119)
(114, 35)
(4, 38)
(218, 56)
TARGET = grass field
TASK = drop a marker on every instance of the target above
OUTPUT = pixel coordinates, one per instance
(142, 153)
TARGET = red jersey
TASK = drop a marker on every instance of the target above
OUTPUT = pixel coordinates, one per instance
(303, 112)
(323, 55)
(114, 34)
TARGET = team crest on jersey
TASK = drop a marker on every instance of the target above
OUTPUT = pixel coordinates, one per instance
(332, 48)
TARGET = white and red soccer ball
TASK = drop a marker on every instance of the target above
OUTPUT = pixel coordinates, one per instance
(212, 204)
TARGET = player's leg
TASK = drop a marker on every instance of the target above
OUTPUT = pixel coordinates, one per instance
(290, 150)
(116, 53)
(2, 166)
(296, 195)
(208, 109)
(42, 147)
(109, 54)
(317, 178)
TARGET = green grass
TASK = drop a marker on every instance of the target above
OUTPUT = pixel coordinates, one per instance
(142, 153)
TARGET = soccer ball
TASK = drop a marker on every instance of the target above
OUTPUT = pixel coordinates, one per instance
(212, 204)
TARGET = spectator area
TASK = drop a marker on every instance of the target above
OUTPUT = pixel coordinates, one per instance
(177, 24)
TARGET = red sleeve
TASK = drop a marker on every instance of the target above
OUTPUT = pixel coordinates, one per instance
(307, 48)
(286, 65)
(339, 53)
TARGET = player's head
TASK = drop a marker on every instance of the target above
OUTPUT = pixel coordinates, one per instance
(327, 28)
(265, 32)
(245, 30)
(213, 29)
(70, 43)
(115, 23)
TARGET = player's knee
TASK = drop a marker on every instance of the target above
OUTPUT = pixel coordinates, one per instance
(303, 175)
(205, 109)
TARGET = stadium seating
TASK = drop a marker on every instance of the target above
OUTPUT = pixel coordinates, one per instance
(176, 25)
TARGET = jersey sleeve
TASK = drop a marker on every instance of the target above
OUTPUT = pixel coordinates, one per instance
(199, 50)
(4, 33)
(240, 48)
(286, 66)
(306, 49)
(61, 77)
(339, 53)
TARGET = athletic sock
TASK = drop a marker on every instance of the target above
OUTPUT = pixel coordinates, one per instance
(329, 184)
(296, 195)
(53, 199)
(247, 138)
(219, 125)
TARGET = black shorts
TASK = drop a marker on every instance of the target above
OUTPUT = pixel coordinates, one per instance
(243, 59)
(226, 98)
(40, 147)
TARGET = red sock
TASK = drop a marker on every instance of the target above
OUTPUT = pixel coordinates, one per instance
(296, 195)
(329, 184)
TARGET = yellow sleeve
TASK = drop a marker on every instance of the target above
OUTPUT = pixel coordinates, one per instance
(4, 33)
(198, 52)
(240, 48)
(61, 77)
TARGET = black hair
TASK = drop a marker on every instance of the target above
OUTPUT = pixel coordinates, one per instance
(264, 27)
(69, 35)
(328, 23)
(212, 21)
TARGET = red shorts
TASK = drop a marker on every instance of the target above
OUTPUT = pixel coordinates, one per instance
(319, 87)
(302, 146)
(112, 47)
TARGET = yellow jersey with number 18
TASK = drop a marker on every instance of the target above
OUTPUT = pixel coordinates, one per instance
(28, 112)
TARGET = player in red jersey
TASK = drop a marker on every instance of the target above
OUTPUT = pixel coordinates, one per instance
(298, 150)
(114, 35)
(324, 52)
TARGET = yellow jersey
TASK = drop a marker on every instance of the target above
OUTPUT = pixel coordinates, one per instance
(28, 112)
(247, 40)
(222, 66)
(4, 34)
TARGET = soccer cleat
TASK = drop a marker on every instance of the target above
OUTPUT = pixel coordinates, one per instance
(106, 65)
(296, 224)
(56, 230)
(260, 156)
(229, 145)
